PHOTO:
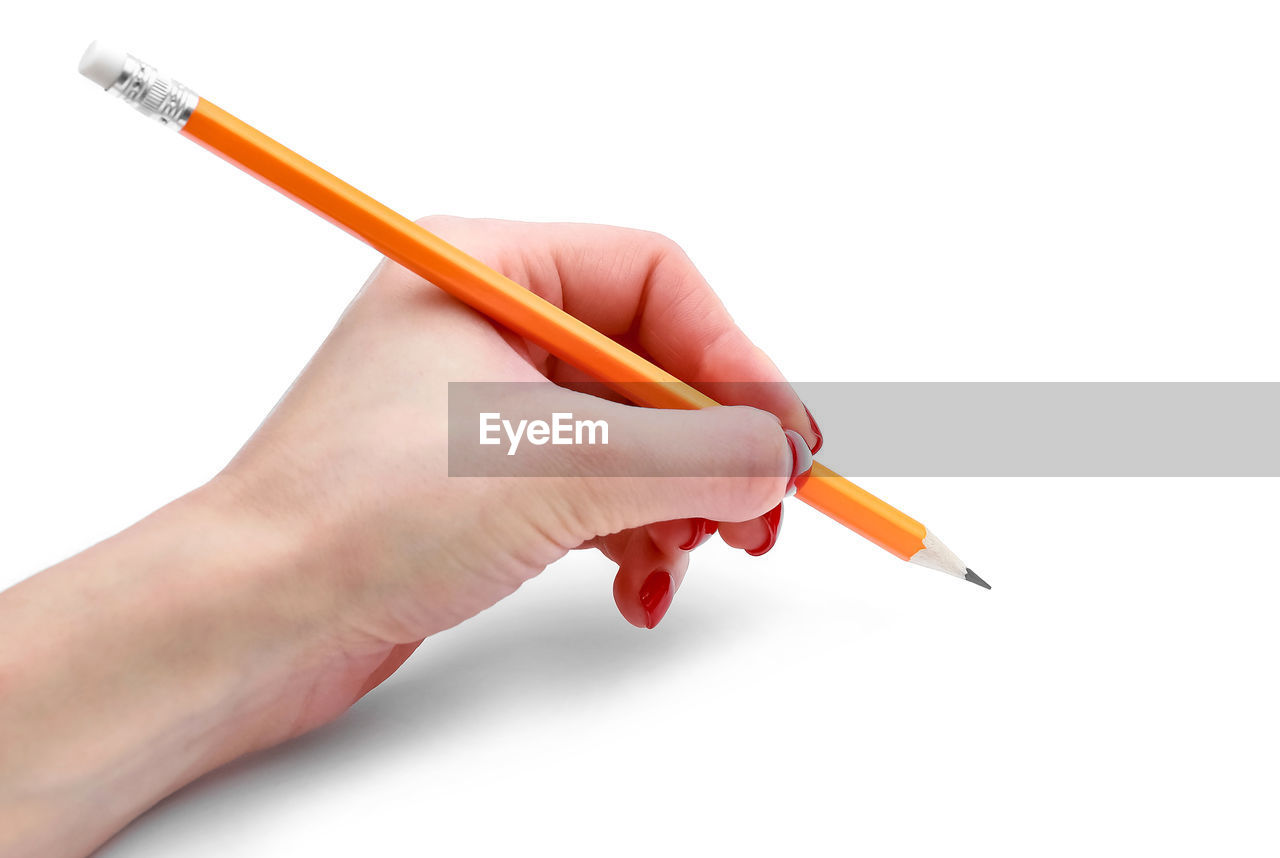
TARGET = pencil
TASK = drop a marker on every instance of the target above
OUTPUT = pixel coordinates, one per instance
(472, 282)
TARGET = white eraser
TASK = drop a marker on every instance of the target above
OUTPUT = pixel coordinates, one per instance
(102, 64)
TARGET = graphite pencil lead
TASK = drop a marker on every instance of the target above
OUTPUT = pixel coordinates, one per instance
(970, 575)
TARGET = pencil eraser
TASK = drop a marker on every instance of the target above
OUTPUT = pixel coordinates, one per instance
(102, 64)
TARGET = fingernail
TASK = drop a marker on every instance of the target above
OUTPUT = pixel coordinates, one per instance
(813, 424)
(655, 597)
(772, 520)
(801, 459)
(702, 530)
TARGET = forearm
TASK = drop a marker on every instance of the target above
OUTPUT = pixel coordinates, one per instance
(138, 665)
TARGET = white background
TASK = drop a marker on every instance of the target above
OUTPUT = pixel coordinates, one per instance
(893, 191)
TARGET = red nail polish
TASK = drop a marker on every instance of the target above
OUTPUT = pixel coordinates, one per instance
(655, 596)
(772, 520)
(702, 530)
(813, 424)
(801, 460)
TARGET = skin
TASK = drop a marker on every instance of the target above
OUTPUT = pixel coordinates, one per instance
(266, 602)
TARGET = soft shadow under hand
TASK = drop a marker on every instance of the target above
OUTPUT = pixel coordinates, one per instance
(517, 656)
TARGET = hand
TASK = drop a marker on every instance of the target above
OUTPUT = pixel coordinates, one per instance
(269, 600)
(355, 456)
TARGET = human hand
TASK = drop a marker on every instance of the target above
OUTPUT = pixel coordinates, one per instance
(354, 460)
(266, 602)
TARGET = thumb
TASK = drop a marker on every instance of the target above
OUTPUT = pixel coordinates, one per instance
(723, 464)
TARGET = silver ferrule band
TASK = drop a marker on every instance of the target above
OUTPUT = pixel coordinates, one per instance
(154, 94)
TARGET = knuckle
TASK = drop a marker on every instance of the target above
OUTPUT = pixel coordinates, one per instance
(662, 245)
(649, 245)
(454, 229)
(390, 280)
(437, 221)
(764, 456)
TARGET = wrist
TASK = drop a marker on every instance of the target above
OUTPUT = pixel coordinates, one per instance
(164, 652)
(263, 597)
(257, 577)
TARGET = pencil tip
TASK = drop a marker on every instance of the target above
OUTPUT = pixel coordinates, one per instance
(970, 575)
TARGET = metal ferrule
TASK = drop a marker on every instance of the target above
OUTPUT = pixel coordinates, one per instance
(154, 94)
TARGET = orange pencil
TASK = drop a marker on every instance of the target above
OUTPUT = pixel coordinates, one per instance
(474, 283)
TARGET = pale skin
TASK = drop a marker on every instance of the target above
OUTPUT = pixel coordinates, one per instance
(269, 600)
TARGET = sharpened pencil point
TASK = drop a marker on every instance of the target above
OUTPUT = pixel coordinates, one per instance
(970, 575)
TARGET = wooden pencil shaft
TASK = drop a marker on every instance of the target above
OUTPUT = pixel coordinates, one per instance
(514, 306)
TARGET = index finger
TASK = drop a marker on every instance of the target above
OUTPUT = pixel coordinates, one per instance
(640, 288)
